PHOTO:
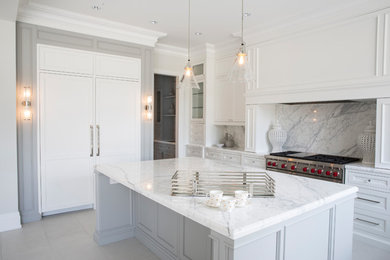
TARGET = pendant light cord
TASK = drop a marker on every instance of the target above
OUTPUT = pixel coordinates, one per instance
(242, 21)
(189, 28)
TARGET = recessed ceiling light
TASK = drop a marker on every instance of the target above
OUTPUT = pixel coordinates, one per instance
(198, 33)
(153, 22)
(247, 14)
(97, 6)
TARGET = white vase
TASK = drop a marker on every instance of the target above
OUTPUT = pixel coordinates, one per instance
(277, 136)
(366, 142)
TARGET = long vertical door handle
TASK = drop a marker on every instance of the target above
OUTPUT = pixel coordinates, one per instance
(98, 140)
(91, 140)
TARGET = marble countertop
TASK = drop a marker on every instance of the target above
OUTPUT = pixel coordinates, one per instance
(294, 195)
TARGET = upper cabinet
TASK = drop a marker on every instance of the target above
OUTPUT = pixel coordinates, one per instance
(229, 98)
(197, 99)
(325, 63)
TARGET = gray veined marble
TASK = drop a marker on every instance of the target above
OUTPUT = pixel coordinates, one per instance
(331, 128)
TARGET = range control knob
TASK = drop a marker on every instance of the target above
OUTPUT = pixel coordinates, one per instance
(335, 174)
(274, 164)
(293, 167)
(283, 165)
(313, 170)
(319, 171)
(269, 163)
(328, 173)
(305, 169)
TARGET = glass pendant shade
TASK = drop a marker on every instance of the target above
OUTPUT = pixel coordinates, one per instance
(241, 72)
(188, 79)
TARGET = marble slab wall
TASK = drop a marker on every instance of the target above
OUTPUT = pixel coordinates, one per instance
(329, 128)
(238, 133)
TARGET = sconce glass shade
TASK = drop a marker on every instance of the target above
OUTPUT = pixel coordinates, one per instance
(27, 113)
(148, 108)
(241, 72)
(188, 79)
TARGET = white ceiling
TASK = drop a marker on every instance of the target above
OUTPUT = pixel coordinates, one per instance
(216, 19)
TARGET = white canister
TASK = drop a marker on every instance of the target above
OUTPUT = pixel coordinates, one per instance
(366, 142)
(228, 204)
(215, 197)
(277, 137)
(241, 197)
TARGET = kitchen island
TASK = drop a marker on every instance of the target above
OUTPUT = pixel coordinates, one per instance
(306, 219)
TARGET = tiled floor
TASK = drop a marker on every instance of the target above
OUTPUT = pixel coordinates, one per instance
(66, 236)
(70, 236)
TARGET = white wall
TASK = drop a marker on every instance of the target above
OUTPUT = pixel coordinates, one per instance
(9, 215)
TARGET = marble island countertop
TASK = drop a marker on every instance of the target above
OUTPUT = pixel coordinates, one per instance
(294, 195)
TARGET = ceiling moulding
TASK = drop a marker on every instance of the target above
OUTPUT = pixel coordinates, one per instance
(69, 21)
(307, 21)
(170, 50)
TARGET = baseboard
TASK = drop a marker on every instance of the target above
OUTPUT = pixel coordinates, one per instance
(113, 235)
(154, 246)
(30, 217)
(59, 211)
(372, 241)
(9, 221)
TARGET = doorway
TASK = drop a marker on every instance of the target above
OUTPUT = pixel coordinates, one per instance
(165, 114)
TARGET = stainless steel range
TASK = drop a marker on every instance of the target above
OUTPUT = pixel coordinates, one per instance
(318, 166)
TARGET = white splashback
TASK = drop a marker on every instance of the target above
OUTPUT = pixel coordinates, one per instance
(329, 128)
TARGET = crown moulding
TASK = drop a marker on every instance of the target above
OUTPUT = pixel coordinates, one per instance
(69, 21)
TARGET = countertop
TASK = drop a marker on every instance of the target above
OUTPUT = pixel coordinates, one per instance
(294, 195)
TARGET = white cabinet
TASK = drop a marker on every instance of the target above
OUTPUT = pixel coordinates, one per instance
(83, 120)
(372, 205)
(118, 67)
(382, 155)
(66, 141)
(235, 157)
(229, 98)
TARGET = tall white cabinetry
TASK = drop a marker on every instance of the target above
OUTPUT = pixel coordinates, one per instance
(89, 113)
(382, 157)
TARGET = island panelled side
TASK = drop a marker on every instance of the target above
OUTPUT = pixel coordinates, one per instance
(324, 232)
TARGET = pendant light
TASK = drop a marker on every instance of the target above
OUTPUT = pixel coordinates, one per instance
(188, 79)
(241, 72)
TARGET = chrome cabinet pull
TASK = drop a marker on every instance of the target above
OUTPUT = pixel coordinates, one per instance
(91, 140)
(373, 201)
(98, 140)
(366, 221)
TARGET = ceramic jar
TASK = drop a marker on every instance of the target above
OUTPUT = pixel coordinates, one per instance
(228, 204)
(277, 136)
(366, 142)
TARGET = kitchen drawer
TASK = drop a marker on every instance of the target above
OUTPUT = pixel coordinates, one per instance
(230, 157)
(372, 223)
(215, 155)
(376, 201)
(253, 161)
(365, 180)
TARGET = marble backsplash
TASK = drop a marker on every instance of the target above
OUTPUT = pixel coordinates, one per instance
(329, 128)
(238, 133)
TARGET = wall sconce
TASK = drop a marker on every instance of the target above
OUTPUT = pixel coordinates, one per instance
(148, 107)
(27, 115)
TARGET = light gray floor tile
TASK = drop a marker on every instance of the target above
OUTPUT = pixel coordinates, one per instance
(362, 251)
(60, 225)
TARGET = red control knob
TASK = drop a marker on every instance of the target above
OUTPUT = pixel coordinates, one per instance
(269, 163)
(274, 164)
(319, 171)
(293, 167)
(283, 165)
(313, 170)
(305, 169)
(335, 174)
(328, 172)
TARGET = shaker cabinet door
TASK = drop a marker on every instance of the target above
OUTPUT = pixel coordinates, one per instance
(66, 127)
(382, 156)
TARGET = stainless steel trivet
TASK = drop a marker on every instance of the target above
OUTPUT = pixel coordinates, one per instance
(199, 183)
